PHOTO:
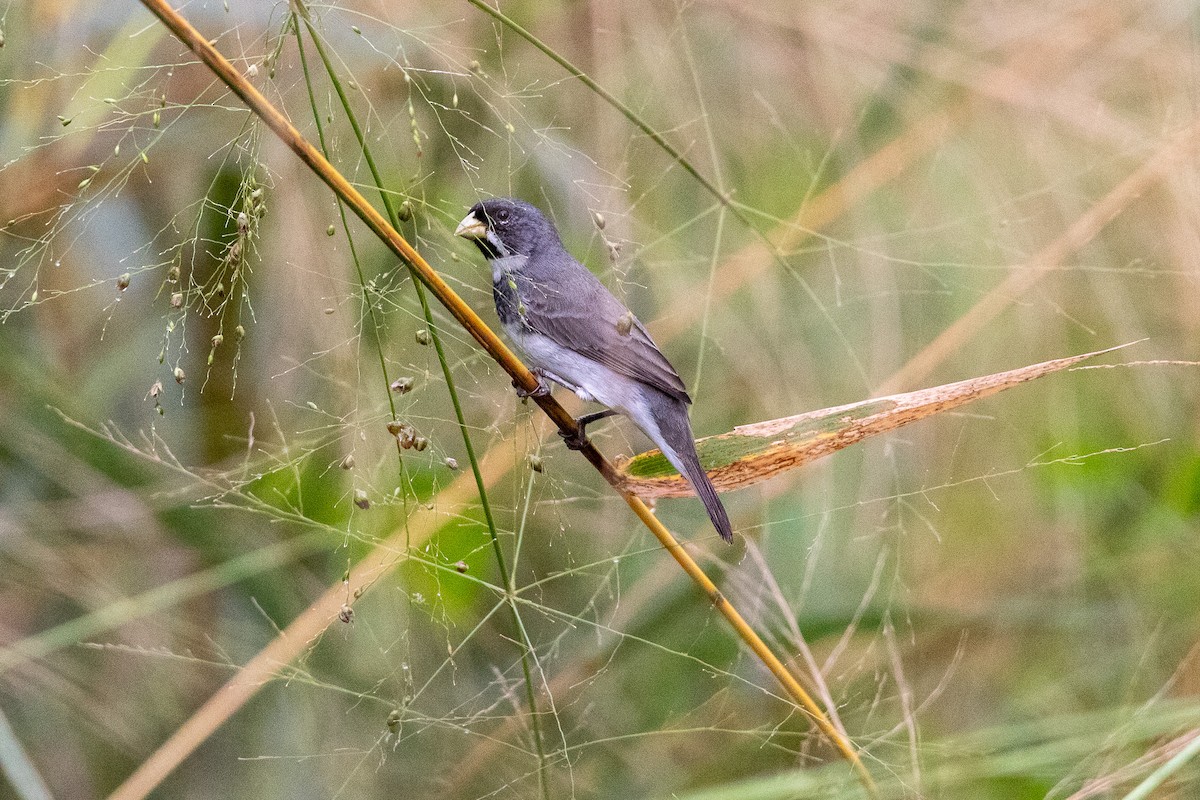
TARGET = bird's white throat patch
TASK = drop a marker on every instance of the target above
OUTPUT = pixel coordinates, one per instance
(499, 245)
(505, 264)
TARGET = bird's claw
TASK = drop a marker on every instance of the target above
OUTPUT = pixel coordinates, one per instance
(576, 439)
(541, 391)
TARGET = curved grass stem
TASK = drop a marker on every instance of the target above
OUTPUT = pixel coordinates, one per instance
(492, 344)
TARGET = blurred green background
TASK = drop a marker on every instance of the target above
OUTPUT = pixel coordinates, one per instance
(1001, 602)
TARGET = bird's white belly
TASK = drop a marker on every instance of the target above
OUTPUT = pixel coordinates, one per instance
(590, 379)
(593, 381)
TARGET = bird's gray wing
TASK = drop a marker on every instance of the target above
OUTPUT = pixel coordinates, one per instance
(578, 312)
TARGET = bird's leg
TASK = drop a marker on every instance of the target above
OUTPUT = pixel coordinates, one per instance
(542, 389)
(579, 440)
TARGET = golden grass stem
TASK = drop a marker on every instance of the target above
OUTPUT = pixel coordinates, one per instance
(152, 772)
(750, 637)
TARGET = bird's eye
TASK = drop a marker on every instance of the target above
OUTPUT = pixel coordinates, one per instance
(501, 216)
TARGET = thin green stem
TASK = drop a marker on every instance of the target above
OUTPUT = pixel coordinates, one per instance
(362, 279)
(1159, 776)
(394, 218)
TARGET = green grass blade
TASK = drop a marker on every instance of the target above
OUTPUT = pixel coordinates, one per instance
(1157, 778)
(22, 774)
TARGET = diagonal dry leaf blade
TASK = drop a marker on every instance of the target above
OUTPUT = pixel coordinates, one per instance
(753, 453)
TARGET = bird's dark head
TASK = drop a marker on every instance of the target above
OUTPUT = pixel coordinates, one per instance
(503, 227)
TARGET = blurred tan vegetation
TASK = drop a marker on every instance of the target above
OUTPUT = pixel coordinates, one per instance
(998, 602)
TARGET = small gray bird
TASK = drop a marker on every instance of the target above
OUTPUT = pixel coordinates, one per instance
(574, 332)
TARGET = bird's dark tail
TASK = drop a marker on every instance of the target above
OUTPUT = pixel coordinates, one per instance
(679, 446)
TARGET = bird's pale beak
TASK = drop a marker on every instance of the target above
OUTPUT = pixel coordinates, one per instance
(471, 228)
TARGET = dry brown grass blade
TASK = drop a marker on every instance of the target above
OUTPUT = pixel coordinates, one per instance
(750, 454)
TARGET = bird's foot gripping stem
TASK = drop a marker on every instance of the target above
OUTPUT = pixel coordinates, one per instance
(578, 440)
(542, 389)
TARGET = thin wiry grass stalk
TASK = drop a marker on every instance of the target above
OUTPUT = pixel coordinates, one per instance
(492, 344)
(362, 280)
(297, 637)
(1023, 278)
(153, 601)
(629, 114)
(889, 162)
(507, 578)
(740, 211)
(820, 210)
